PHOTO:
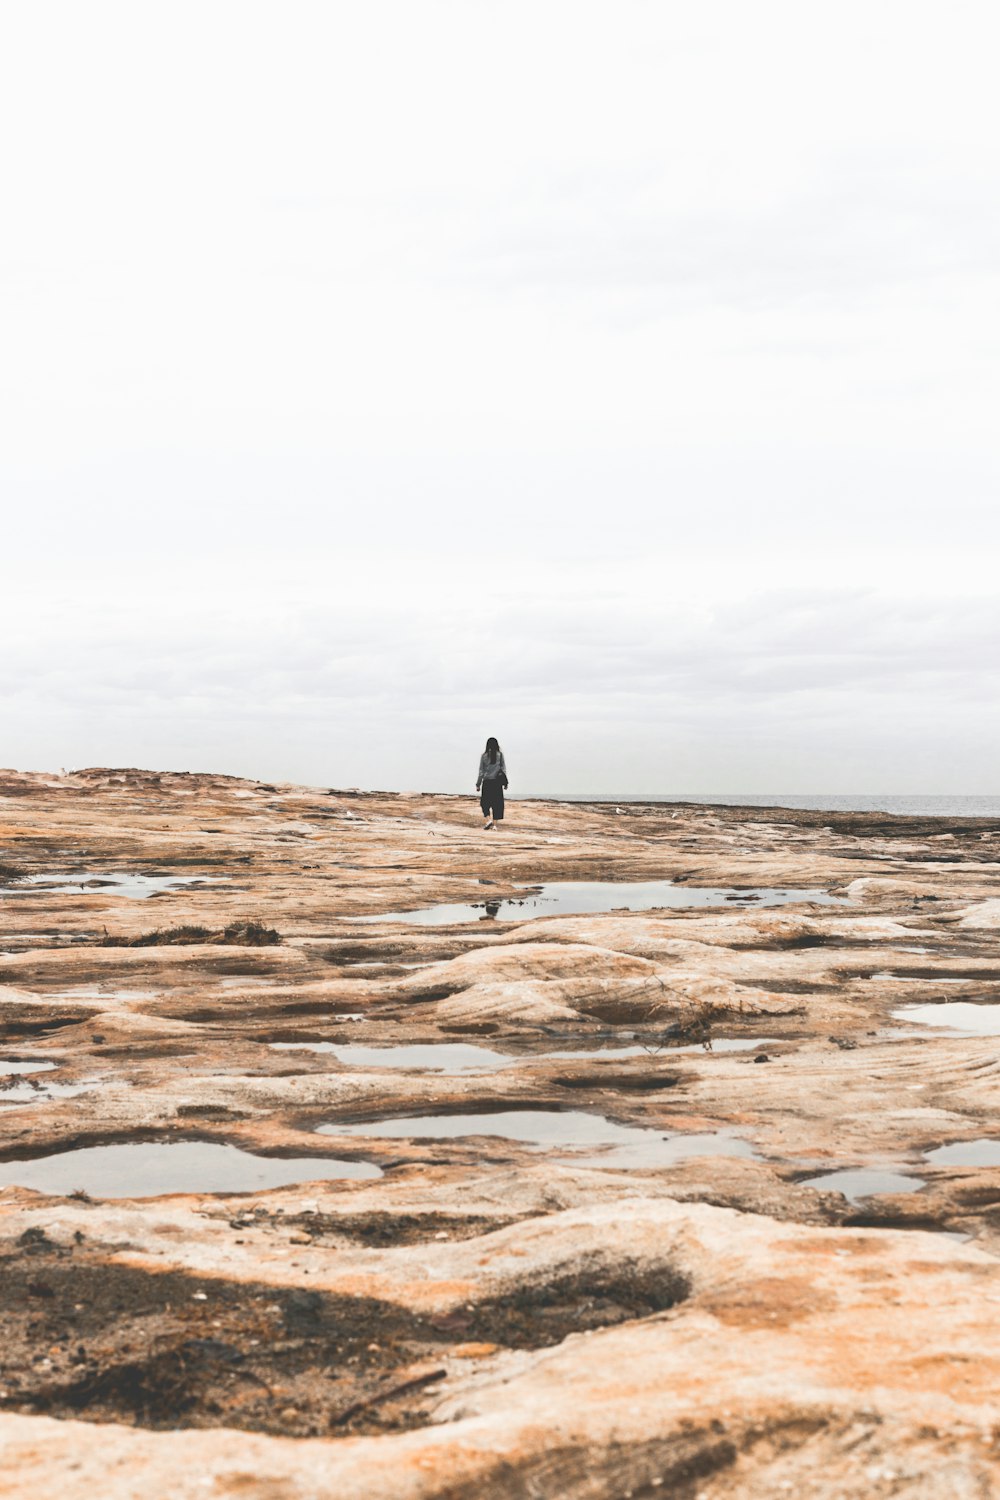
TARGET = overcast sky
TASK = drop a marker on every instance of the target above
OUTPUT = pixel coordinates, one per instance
(620, 379)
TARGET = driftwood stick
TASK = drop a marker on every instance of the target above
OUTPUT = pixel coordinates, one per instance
(395, 1390)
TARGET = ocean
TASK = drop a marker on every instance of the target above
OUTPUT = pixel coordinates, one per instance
(913, 806)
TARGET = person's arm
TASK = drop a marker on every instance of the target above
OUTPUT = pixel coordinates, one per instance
(479, 778)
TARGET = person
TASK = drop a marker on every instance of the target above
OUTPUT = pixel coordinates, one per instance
(492, 779)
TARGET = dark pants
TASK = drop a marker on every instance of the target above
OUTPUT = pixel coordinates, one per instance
(491, 800)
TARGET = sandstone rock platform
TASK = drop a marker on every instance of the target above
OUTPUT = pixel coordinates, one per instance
(597, 1245)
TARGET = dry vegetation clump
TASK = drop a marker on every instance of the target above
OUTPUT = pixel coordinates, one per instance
(252, 934)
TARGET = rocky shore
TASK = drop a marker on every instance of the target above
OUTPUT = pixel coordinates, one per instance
(300, 1197)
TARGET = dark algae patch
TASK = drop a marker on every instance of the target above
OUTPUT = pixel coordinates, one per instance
(382, 1229)
(113, 1343)
(537, 1315)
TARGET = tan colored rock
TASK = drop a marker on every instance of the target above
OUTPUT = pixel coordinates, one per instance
(515, 1003)
(984, 916)
(493, 1316)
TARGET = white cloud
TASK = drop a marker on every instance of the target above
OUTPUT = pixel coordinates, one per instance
(613, 695)
(371, 373)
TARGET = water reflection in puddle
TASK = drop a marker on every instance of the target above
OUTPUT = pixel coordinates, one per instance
(7, 1066)
(865, 1182)
(136, 1170)
(657, 1050)
(887, 974)
(979, 1153)
(436, 1057)
(582, 897)
(115, 883)
(29, 1092)
(963, 1017)
(621, 1145)
(459, 1057)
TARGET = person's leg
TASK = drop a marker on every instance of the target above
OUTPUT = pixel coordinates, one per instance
(498, 805)
(484, 803)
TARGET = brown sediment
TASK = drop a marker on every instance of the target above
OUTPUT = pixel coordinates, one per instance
(491, 1316)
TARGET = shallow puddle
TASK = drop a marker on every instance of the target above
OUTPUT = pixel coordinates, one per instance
(978, 1153)
(865, 1182)
(145, 1170)
(459, 1057)
(963, 1017)
(435, 1057)
(666, 1151)
(941, 979)
(115, 883)
(27, 1091)
(7, 1066)
(734, 1044)
(621, 1145)
(654, 1050)
(922, 978)
(592, 1054)
(587, 897)
(49, 938)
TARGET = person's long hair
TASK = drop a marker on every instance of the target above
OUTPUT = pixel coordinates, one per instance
(492, 750)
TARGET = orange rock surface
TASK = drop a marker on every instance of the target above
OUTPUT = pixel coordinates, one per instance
(233, 1265)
